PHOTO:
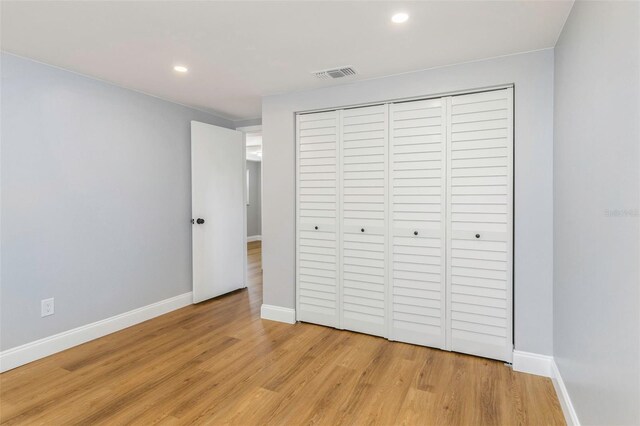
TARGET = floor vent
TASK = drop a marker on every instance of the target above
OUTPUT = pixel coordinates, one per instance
(335, 73)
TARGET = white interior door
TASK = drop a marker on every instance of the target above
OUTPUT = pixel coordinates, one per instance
(417, 184)
(317, 230)
(363, 167)
(480, 225)
(218, 210)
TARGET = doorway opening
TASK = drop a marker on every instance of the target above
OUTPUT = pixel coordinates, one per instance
(253, 176)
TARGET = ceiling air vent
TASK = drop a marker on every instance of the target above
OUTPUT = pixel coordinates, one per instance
(335, 73)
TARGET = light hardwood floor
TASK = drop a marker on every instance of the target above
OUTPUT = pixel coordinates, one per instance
(219, 363)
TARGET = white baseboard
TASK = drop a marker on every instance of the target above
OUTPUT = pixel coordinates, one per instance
(254, 238)
(278, 313)
(528, 362)
(545, 365)
(20, 355)
(569, 411)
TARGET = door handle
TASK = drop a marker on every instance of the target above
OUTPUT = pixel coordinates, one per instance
(200, 221)
(477, 235)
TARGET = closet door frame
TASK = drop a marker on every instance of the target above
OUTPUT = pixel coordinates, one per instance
(296, 232)
(339, 219)
(511, 212)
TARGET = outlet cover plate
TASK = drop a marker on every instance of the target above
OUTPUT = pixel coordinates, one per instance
(46, 307)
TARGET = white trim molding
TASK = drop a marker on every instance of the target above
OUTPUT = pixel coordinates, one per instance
(570, 415)
(250, 129)
(254, 238)
(545, 365)
(20, 355)
(528, 362)
(278, 313)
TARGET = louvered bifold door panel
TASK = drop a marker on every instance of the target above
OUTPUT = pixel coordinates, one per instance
(317, 228)
(364, 189)
(417, 222)
(480, 157)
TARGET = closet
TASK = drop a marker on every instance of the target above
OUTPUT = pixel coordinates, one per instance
(404, 221)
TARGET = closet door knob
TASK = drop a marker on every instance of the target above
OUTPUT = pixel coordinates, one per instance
(415, 232)
(200, 221)
(316, 227)
(362, 230)
(477, 235)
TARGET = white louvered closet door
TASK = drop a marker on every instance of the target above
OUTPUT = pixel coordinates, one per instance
(317, 230)
(364, 189)
(418, 222)
(480, 155)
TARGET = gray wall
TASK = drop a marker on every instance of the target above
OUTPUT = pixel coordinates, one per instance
(532, 74)
(597, 218)
(254, 209)
(96, 199)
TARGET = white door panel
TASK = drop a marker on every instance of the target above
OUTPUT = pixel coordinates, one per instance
(317, 219)
(217, 197)
(417, 221)
(480, 223)
(364, 166)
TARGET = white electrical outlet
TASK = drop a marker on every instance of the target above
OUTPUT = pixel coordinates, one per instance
(46, 307)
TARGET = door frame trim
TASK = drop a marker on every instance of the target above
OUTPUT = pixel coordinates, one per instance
(408, 99)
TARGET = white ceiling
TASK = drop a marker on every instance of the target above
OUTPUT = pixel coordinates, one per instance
(239, 51)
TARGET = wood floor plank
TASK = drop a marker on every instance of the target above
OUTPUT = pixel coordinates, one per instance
(219, 363)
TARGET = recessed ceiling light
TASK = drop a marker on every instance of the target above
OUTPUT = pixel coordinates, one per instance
(399, 18)
(180, 68)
